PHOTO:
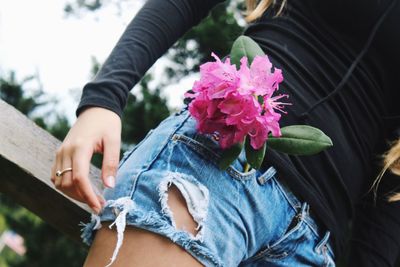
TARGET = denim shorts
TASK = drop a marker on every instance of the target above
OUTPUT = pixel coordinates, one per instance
(244, 218)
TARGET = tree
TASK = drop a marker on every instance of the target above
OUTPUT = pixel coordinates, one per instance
(45, 245)
(11, 91)
(195, 47)
(141, 115)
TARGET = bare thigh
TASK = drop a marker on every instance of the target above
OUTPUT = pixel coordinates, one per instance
(144, 248)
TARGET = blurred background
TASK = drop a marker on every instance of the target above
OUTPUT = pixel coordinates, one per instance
(48, 51)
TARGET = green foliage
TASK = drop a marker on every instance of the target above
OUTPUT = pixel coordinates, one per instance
(11, 91)
(60, 128)
(8, 258)
(300, 140)
(141, 115)
(88, 5)
(45, 245)
(215, 33)
(244, 46)
(79, 7)
(229, 155)
(3, 225)
(254, 156)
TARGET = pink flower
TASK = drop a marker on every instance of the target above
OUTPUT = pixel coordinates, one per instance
(235, 103)
(217, 78)
(258, 79)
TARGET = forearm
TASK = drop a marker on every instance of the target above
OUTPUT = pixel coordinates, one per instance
(154, 29)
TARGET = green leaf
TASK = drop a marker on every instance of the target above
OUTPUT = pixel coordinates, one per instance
(300, 140)
(254, 156)
(244, 46)
(229, 155)
(260, 99)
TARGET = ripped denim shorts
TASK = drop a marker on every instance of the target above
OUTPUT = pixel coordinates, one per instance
(244, 218)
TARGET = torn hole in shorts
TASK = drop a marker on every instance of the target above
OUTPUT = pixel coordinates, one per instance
(195, 194)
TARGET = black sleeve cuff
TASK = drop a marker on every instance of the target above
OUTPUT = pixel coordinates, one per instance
(98, 101)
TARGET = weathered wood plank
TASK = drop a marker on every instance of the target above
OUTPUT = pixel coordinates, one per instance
(27, 153)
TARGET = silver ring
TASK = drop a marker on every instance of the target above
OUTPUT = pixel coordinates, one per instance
(60, 173)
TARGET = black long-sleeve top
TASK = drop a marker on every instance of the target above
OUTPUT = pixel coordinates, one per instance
(315, 44)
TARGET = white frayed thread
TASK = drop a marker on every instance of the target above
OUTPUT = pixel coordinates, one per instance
(163, 188)
(125, 204)
(96, 218)
(195, 194)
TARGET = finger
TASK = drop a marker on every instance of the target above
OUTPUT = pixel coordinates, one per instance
(81, 162)
(66, 162)
(96, 188)
(57, 179)
(96, 191)
(110, 160)
(54, 166)
(101, 200)
(65, 187)
(53, 171)
(74, 193)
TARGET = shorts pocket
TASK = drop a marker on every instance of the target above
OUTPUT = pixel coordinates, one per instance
(208, 148)
(131, 150)
(323, 247)
(286, 245)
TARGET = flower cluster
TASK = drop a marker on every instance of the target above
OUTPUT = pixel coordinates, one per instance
(234, 103)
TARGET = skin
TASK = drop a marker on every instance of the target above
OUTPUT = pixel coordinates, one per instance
(89, 135)
(143, 248)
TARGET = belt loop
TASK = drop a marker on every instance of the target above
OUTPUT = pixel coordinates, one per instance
(268, 174)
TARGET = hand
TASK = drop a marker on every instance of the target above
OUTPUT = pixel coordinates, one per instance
(96, 130)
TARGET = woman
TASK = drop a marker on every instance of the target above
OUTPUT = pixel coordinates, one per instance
(337, 59)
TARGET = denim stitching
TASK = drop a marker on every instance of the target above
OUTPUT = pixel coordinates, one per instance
(265, 253)
(323, 248)
(207, 152)
(294, 202)
(197, 146)
(267, 175)
(325, 242)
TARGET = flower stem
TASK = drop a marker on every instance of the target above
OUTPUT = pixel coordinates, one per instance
(246, 167)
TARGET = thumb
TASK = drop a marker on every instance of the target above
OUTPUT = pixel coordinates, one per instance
(110, 161)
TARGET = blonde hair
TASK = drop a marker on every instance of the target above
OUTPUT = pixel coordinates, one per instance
(255, 8)
(391, 162)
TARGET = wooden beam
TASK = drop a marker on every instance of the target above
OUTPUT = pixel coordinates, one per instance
(27, 153)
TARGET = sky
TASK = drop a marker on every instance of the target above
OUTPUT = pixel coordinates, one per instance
(37, 38)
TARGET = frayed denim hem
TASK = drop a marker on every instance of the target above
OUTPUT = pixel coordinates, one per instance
(122, 211)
